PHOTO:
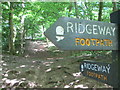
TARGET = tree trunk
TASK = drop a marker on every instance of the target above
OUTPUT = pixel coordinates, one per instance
(76, 10)
(70, 9)
(77, 16)
(22, 32)
(11, 35)
(100, 11)
(0, 31)
(43, 30)
(114, 5)
(89, 11)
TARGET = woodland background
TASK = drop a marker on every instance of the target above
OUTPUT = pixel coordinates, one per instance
(24, 45)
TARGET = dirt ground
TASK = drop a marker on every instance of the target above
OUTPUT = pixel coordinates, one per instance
(42, 68)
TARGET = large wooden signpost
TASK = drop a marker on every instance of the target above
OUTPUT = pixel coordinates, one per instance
(115, 18)
(77, 34)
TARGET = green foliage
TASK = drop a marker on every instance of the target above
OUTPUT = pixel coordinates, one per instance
(118, 5)
(40, 15)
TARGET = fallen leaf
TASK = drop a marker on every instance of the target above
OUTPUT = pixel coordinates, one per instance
(4, 64)
(66, 86)
(71, 83)
(79, 86)
(77, 81)
(50, 58)
(48, 70)
(7, 81)
(47, 65)
(77, 74)
(4, 79)
(14, 81)
(22, 66)
(23, 79)
(6, 75)
(31, 84)
(33, 61)
(59, 66)
(65, 76)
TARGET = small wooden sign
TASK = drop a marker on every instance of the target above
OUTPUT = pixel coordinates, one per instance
(77, 34)
(103, 72)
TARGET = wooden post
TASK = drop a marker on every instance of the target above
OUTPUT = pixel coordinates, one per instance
(115, 18)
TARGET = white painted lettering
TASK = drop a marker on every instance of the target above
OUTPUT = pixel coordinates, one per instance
(92, 66)
(88, 30)
(81, 28)
(102, 30)
(99, 68)
(108, 68)
(104, 69)
(69, 27)
(85, 65)
(76, 27)
(95, 29)
(113, 31)
(95, 67)
(108, 31)
(88, 66)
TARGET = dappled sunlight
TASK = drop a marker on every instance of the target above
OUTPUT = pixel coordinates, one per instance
(50, 58)
(45, 45)
(27, 56)
(80, 86)
(4, 64)
(77, 74)
(47, 65)
(29, 72)
(22, 66)
(44, 63)
(14, 83)
(60, 58)
(35, 46)
(59, 66)
(66, 86)
(74, 85)
(48, 70)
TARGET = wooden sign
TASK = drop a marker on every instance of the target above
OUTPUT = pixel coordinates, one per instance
(115, 18)
(77, 34)
(103, 72)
